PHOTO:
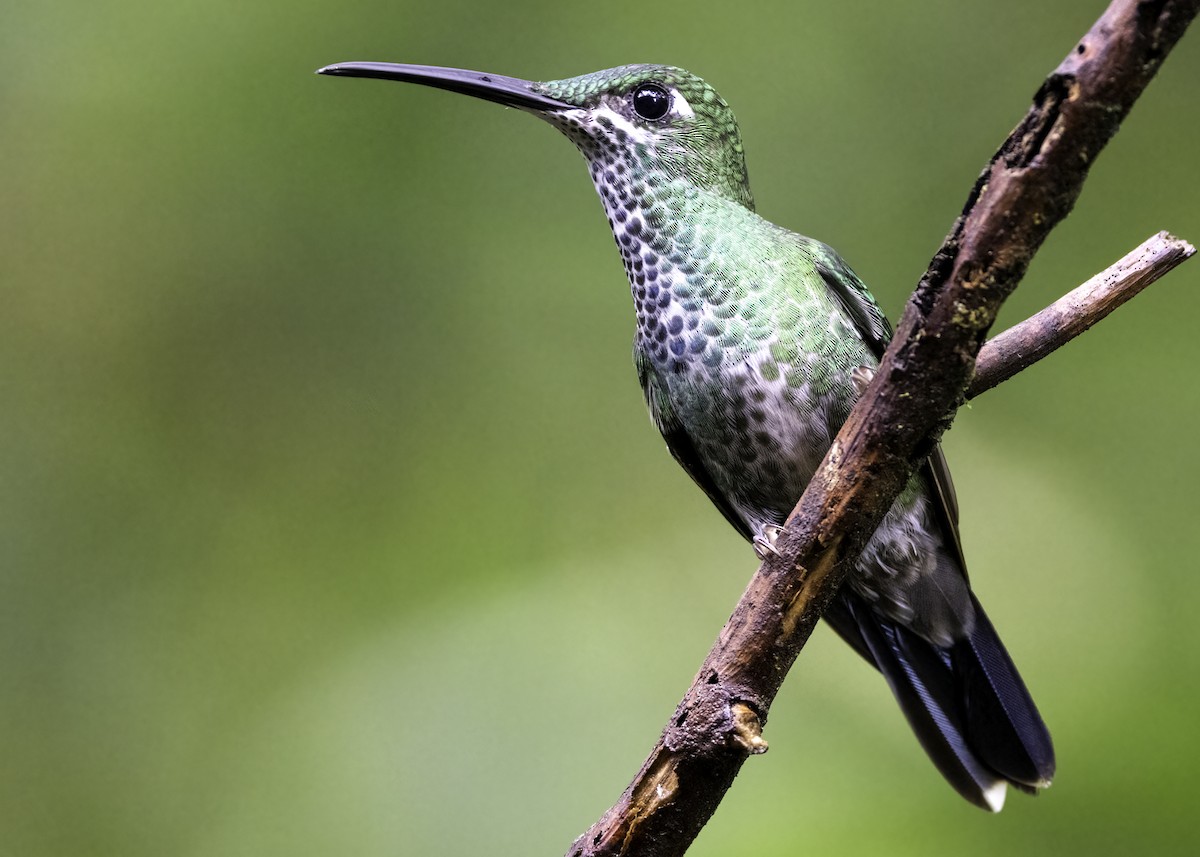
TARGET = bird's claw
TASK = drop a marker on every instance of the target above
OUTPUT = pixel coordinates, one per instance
(764, 542)
(861, 376)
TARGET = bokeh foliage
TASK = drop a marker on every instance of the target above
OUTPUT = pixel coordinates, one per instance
(332, 521)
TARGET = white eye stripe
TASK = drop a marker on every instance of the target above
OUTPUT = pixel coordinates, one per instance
(637, 130)
(680, 106)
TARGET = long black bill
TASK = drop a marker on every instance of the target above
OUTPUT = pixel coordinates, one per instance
(509, 91)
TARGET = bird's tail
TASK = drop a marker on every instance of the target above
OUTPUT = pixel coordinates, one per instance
(966, 703)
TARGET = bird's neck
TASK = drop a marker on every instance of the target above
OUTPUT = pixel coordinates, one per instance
(682, 247)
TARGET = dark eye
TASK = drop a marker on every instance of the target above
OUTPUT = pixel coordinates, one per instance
(651, 101)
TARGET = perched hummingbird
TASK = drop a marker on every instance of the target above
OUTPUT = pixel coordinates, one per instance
(752, 345)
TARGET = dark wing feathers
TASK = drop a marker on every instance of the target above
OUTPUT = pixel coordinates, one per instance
(680, 443)
(966, 703)
(936, 473)
(923, 683)
(1001, 718)
(855, 299)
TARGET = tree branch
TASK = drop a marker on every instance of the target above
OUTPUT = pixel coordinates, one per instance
(1029, 186)
(1077, 311)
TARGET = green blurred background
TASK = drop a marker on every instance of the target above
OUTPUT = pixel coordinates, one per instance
(333, 522)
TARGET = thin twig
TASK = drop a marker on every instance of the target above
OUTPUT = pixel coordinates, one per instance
(1077, 311)
(1028, 188)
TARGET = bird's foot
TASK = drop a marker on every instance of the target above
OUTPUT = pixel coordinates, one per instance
(764, 542)
(861, 376)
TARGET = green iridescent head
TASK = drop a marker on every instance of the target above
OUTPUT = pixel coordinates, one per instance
(660, 121)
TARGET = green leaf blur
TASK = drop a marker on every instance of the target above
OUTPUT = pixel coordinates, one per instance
(332, 519)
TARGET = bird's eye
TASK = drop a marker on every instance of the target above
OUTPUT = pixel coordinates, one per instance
(651, 101)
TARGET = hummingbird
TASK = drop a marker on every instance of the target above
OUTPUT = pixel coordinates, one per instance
(752, 344)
